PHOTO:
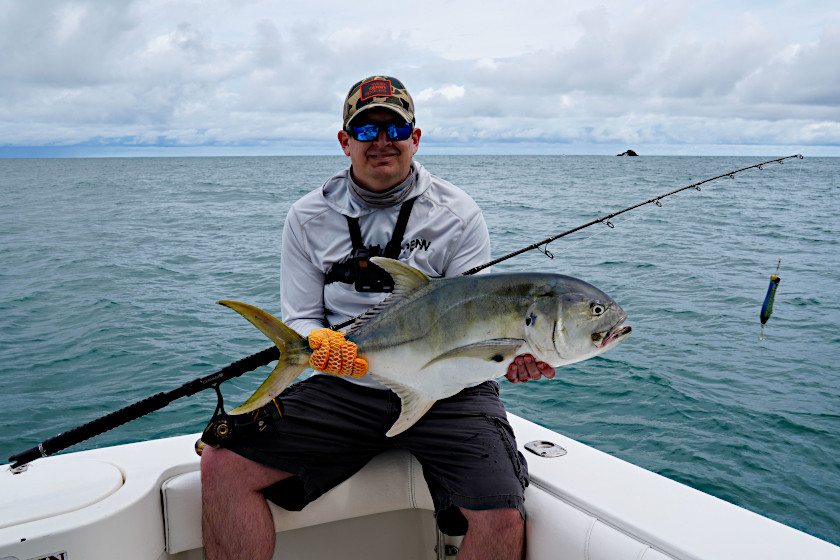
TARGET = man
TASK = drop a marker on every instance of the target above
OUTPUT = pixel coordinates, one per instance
(332, 426)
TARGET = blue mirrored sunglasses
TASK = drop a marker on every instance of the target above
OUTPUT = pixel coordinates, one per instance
(369, 131)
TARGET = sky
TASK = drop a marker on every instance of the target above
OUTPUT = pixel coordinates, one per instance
(257, 77)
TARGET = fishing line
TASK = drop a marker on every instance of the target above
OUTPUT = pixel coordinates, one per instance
(775, 279)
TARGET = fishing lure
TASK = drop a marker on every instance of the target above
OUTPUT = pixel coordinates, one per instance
(767, 306)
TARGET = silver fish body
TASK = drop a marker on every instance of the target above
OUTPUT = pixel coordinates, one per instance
(432, 338)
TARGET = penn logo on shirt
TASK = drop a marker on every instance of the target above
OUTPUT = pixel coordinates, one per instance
(418, 244)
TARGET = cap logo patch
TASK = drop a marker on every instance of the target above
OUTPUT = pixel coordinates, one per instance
(375, 88)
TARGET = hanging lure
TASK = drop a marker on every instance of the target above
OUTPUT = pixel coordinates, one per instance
(767, 306)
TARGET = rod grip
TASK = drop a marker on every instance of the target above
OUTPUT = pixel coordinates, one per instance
(92, 428)
(142, 408)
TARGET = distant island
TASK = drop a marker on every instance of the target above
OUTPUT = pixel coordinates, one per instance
(628, 153)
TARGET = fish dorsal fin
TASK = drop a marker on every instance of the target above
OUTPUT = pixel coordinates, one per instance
(413, 405)
(494, 350)
(406, 277)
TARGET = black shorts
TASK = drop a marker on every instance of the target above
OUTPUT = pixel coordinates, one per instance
(331, 428)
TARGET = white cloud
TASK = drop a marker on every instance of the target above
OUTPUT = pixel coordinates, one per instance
(266, 73)
(446, 93)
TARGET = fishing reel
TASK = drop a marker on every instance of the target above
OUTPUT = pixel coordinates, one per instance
(224, 427)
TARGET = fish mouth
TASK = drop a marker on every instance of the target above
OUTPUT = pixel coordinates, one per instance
(612, 336)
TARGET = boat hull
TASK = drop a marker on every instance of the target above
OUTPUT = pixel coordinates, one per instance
(142, 502)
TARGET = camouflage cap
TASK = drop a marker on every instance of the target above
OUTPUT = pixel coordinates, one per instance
(378, 92)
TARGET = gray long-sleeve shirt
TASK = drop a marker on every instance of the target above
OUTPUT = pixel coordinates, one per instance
(445, 236)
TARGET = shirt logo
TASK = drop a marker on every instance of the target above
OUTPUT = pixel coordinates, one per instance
(418, 244)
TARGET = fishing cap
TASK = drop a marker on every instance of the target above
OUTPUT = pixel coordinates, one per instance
(378, 92)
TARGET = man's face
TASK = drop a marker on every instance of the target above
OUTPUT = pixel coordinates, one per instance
(382, 163)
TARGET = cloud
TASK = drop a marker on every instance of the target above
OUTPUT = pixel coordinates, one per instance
(805, 74)
(448, 92)
(224, 73)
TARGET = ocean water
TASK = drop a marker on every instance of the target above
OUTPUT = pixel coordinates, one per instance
(111, 267)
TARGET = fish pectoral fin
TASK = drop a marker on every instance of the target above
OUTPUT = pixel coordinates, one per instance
(414, 405)
(294, 355)
(495, 350)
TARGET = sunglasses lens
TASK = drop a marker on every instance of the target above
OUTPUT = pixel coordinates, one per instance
(368, 132)
(399, 131)
(364, 133)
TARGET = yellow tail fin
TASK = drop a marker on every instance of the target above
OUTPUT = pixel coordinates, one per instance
(294, 355)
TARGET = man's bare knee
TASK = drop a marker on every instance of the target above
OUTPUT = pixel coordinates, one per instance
(217, 465)
(493, 534)
(496, 520)
(224, 469)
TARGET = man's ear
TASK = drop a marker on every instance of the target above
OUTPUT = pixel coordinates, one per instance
(344, 140)
(415, 140)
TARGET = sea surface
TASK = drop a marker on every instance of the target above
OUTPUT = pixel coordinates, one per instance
(111, 269)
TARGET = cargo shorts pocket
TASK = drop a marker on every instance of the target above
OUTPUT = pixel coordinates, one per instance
(516, 458)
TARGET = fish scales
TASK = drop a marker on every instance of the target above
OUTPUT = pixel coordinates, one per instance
(441, 314)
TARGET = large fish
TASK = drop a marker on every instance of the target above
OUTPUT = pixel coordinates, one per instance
(432, 338)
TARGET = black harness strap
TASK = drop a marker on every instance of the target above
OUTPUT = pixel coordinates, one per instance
(355, 233)
(392, 249)
(355, 269)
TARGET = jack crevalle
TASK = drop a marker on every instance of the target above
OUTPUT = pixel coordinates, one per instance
(430, 339)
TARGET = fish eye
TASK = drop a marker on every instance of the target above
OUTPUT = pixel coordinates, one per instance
(597, 308)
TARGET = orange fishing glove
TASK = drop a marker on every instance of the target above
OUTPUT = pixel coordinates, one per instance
(335, 355)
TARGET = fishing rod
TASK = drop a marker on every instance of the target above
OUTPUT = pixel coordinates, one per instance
(606, 219)
(213, 381)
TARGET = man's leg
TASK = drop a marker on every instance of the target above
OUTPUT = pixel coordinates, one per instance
(235, 521)
(493, 534)
(475, 474)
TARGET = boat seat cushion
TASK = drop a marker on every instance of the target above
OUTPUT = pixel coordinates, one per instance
(390, 482)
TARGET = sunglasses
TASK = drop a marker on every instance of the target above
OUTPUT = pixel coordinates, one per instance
(369, 131)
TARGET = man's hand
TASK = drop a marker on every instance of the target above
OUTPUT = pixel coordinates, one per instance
(526, 368)
(335, 355)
